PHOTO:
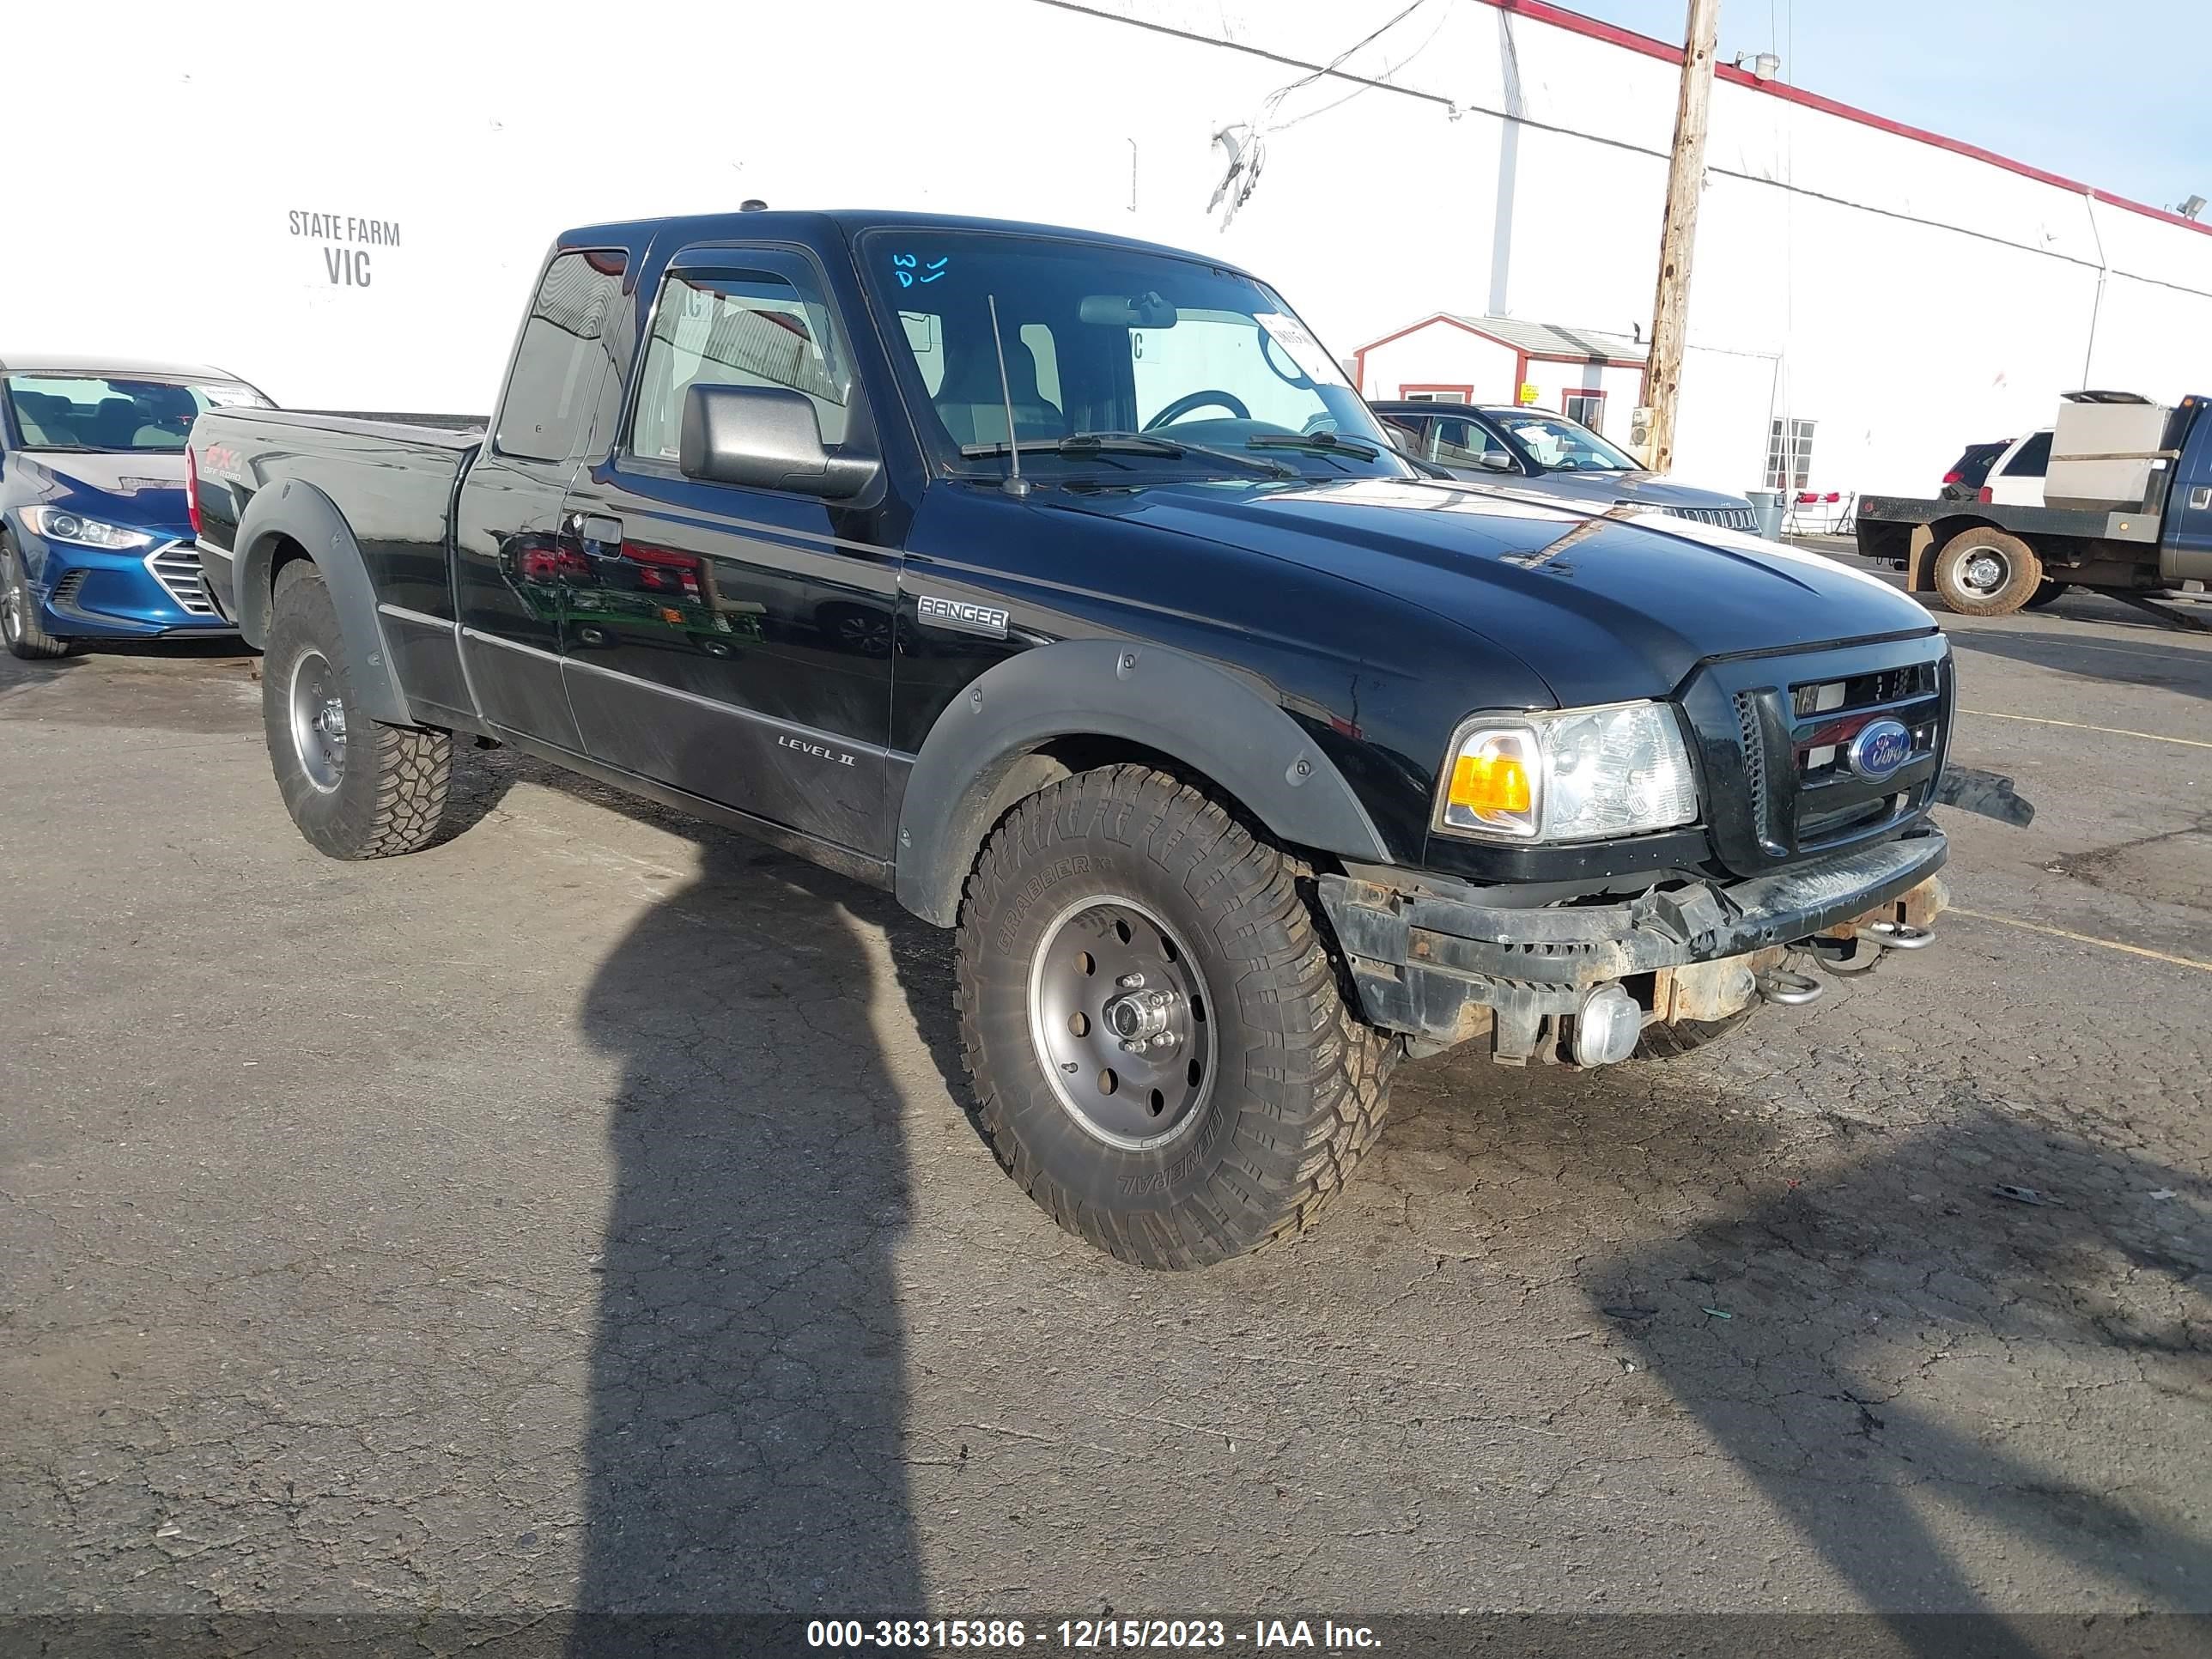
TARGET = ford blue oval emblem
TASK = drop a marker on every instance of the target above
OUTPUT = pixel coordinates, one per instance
(1879, 749)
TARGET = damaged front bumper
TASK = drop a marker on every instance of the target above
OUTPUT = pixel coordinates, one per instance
(1434, 963)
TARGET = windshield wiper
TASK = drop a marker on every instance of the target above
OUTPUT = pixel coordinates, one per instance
(1322, 442)
(1126, 443)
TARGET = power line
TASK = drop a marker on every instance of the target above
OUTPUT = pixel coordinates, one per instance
(1625, 145)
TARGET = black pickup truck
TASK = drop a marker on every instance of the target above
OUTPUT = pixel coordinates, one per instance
(1243, 759)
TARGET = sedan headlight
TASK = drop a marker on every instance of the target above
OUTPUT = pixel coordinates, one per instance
(57, 525)
(1579, 775)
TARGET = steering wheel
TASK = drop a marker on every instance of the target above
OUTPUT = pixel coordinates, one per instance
(1190, 400)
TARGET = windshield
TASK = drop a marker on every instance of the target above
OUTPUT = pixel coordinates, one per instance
(88, 411)
(1559, 444)
(1105, 341)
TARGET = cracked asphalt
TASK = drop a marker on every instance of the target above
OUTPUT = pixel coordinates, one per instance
(581, 1213)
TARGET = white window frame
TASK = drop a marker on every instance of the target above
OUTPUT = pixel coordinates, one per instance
(1790, 440)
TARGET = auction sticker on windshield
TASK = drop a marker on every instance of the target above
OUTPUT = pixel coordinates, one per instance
(1305, 350)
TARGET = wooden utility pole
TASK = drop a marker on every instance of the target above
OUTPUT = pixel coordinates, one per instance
(1677, 237)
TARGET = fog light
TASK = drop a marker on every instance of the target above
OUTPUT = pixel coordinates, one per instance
(1606, 1026)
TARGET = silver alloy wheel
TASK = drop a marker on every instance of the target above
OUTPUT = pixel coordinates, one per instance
(1121, 1023)
(319, 722)
(1985, 571)
(12, 598)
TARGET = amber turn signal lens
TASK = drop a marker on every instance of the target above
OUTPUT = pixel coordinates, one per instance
(1489, 786)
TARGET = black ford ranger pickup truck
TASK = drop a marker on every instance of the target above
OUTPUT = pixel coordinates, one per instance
(1243, 759)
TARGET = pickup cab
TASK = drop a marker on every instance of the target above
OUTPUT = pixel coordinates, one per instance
(1062, 586)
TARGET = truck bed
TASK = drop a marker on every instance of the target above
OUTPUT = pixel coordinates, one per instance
(396, 479)
(1882, 516)
(397, 482)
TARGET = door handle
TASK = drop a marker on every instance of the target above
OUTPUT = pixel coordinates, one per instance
(591, 527)
(2200, 497)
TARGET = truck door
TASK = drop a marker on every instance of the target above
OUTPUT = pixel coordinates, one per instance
(737, 642)
(2185, 550)
(510, 572)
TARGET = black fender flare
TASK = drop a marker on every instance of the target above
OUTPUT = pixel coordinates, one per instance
(970, 769)
(303, 512)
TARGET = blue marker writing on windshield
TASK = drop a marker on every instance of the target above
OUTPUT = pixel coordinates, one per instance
(910, 269)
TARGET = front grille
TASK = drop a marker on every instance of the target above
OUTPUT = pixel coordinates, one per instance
(1778, 734)
(1754, 758)
(177, 568)
(1731, 518)
(1886, 686)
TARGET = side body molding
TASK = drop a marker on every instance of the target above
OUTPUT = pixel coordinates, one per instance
(970, 769)
(310, 518)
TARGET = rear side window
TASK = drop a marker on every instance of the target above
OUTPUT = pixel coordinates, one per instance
(2033, 459)
(547, 411)
(745, 328)
(1464, 442)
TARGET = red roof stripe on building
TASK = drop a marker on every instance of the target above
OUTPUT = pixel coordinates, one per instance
(1612, 35)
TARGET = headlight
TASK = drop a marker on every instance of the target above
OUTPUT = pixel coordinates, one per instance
(58, 526)
(1579, 775)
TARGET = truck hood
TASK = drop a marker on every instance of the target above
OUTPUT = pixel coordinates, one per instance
(139, 489)
(1603, 489)
(1605, 606)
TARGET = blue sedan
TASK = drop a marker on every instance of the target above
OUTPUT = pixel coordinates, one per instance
(95, 528)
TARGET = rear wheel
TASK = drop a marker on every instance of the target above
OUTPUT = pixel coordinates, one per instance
(356, 787)
(1982, 572)
(1161, 1054)
(2044, 595)
(19, 612)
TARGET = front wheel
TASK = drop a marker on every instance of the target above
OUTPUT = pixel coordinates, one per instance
(1162, 1057)
(19, 612)
(1686, 1036)
(1982, 572)
(356, 787)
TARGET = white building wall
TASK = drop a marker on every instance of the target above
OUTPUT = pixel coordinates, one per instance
(1905, 297)
(1439, 354)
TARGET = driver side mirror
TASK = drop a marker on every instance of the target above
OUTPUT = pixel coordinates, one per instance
(1497, 460)
(764, 438)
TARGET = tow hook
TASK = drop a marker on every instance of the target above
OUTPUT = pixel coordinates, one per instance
(1863, 943)
(1789, 987)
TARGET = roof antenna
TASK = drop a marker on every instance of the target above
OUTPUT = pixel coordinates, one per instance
(1015, 485)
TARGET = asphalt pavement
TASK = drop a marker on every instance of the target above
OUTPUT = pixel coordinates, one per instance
(582, 1213)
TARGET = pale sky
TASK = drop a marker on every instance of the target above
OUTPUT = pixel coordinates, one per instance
(2113, 94)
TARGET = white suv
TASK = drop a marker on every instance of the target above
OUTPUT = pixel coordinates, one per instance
(2016, 477)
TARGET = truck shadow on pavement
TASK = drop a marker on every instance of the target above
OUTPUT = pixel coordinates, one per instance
(2160, 660)
(747, 1413)
(1834, 1338)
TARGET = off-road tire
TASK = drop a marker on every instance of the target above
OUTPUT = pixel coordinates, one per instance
(390, 792)
(1300, 1083)
(25, 637)
(2022, 573)
(2046, 594)
(1686, 1037)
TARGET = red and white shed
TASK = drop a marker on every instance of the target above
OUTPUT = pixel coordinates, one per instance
(1586, 374)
